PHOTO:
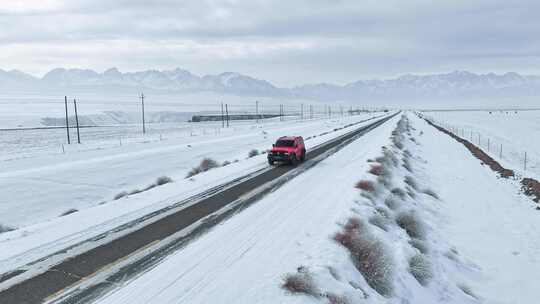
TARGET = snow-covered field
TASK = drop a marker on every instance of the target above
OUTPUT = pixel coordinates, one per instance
(517, 131)
(475, 243)
(28, 110)
(86, 177)
(436, 227)
(40, 188)
(34, 123)
(493, 226)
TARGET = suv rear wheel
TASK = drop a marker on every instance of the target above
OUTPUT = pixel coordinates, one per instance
(293, 160)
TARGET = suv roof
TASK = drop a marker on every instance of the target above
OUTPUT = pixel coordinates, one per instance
(289, 137)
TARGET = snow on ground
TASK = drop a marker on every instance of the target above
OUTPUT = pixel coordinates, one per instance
(82, 180)
(485, 217)
(86, 178)
(25, 110)
(475, 243)
(517, 131)
(244, 259)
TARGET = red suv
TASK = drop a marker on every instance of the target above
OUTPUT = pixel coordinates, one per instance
(290, 149)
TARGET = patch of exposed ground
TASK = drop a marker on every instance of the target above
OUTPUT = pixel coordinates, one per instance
(531, 187)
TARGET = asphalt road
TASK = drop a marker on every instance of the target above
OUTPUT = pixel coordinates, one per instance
(77, 269)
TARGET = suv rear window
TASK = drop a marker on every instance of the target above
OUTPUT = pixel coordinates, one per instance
(285, 143)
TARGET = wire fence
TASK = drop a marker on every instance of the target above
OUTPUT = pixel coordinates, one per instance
(499, 150)
(36, 125)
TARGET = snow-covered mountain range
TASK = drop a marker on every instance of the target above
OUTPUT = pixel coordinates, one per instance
(449, 85)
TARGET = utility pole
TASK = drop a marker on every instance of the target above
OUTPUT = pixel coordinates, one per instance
(67, 120)
(257, 110)
(77, 121)
(302, 111)
(222, 116)
(143, 120)
(227, 113)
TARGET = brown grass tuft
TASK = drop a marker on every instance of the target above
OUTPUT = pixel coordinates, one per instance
(336, 299)
(365, 185)
(410, 222)
(205, 165)
(376, 170)
(300, 282)
(369, 256)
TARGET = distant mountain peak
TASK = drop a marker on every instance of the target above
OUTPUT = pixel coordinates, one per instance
(453, 84)
(112, 70)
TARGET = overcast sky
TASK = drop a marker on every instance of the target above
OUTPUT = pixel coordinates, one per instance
(285, 42)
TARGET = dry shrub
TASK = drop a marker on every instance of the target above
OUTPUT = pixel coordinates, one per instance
(391, 202)
(369, 196)
(388, 158)
(420, 268)
(149, 187)
(334, 273)
(407, 165)
(357, 286)
(300, 282)
(120, 195)
(411, 193)
(253, 153)
(431, 193)
(366, 185)
(398, 143)
(354, 223)
(336, 299)
(409, 180)
(467, 290)
(6, 228)
(369, 256)
(379, 221)
(69, 211)
(376, 170)
(452, 254)
(385, 181)
(383, 211)
(162, 180)
(135, 191)
(410, 222)
(205, 165)
(420, 245)
(399, 192)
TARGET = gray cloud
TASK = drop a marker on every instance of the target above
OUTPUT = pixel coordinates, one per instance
(287, 42)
